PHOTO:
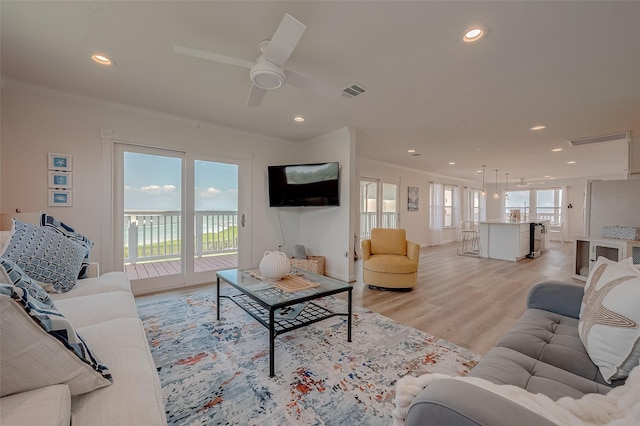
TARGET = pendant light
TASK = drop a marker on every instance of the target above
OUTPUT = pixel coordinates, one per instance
(506, 186)
(495, 194)
(484, 193)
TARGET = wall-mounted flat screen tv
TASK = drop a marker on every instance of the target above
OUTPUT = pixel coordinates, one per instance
(302, 185)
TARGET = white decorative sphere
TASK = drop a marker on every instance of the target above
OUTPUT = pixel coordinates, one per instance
(274, 265)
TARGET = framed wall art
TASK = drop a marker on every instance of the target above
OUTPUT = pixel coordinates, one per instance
(60, 180)
(60, 198)
(413, 198)
(60, 162)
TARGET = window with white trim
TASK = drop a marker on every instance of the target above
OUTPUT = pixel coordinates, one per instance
(448, 206)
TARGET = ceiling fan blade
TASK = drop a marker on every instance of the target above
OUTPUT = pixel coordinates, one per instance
(304, 82)
(255, 96)
(284, 40)
(212, 56)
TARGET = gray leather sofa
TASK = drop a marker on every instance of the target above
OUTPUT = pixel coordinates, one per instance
(542, 353)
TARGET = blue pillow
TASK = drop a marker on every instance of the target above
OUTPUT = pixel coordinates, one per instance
(69, 232)
(45, 256)
(11, 273)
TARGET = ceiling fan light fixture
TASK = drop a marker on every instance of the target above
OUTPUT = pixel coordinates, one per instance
(266, 75)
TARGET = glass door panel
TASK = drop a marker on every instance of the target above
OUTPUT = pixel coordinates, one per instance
(389, 205)
(368, 207)
(216, 224)
(153, 217)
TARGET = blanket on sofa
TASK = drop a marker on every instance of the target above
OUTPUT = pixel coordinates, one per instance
(621, 406)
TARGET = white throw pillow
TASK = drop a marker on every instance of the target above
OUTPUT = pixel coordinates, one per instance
(40, 347)
(609, 323)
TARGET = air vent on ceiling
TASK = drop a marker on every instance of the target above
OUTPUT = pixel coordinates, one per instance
(621, 136)
(353, 91)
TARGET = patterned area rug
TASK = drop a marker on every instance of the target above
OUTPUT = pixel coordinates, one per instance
(217, 372)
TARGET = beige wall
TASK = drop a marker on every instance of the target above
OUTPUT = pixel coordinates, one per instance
(36, 122)
(328, 231)
(416, 223)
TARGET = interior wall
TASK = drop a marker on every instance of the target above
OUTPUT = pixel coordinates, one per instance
(614, 202)
(575, 197)
(327, 231)
(634, 156)
(416, 223)
(36, 122)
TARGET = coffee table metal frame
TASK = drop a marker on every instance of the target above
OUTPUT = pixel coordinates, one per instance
(261, 300)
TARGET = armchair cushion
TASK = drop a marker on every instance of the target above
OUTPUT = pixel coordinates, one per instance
(391, 264)
(389, 241)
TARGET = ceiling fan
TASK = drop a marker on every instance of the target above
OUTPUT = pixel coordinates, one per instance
(523, 184)
(268, 72)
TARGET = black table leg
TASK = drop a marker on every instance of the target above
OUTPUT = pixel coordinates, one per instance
(272, 338)
(349, 319)
(218, 298)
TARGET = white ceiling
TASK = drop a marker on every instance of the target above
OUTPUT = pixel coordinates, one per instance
(574, 66)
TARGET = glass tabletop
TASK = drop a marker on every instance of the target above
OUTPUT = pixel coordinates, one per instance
(271, 295)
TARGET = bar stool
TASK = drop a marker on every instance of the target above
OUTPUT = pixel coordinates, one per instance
(469, 242)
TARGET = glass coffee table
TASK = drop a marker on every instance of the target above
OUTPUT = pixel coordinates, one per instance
(265, 302)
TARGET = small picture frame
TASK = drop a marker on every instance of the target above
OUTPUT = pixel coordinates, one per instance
(60, 198)
(60, 180)
(60, 162)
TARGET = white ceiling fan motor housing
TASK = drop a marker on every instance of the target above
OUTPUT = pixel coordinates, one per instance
(267, 75)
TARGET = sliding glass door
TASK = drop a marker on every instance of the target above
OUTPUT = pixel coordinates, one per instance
(178, 214)
(378, 205)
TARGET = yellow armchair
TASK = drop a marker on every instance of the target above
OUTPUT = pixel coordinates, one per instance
(389, 260)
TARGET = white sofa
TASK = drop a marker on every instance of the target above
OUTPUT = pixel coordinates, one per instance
(103, 311)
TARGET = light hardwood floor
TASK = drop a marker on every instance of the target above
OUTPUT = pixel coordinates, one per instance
(466, 300)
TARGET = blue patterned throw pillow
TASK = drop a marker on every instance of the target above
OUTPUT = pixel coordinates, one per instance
(39, 334)
(45, 256)
(69, 232)
(11, 273)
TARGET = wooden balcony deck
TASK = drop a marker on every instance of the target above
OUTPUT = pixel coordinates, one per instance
(170, 267)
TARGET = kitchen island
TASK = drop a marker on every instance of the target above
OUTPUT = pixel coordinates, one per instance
(507, 240)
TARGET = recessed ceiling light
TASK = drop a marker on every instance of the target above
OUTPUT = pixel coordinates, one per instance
(298, 119)
(451, 163)
(478, 149)
(571, 162)
(474, 34)
(102, 59)
(411, 151)
(552, 178)
(556, 150)
(539, 127)
(547, 176)
(478, 172)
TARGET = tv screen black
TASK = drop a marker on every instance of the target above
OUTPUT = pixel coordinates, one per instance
(298, 185)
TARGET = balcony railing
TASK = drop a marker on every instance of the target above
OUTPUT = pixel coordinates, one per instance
(157, 235)
(369, 220)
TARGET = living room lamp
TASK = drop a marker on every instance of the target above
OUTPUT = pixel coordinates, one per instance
(495, 194)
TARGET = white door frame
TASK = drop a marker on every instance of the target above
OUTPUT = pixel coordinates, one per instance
(112, 205)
